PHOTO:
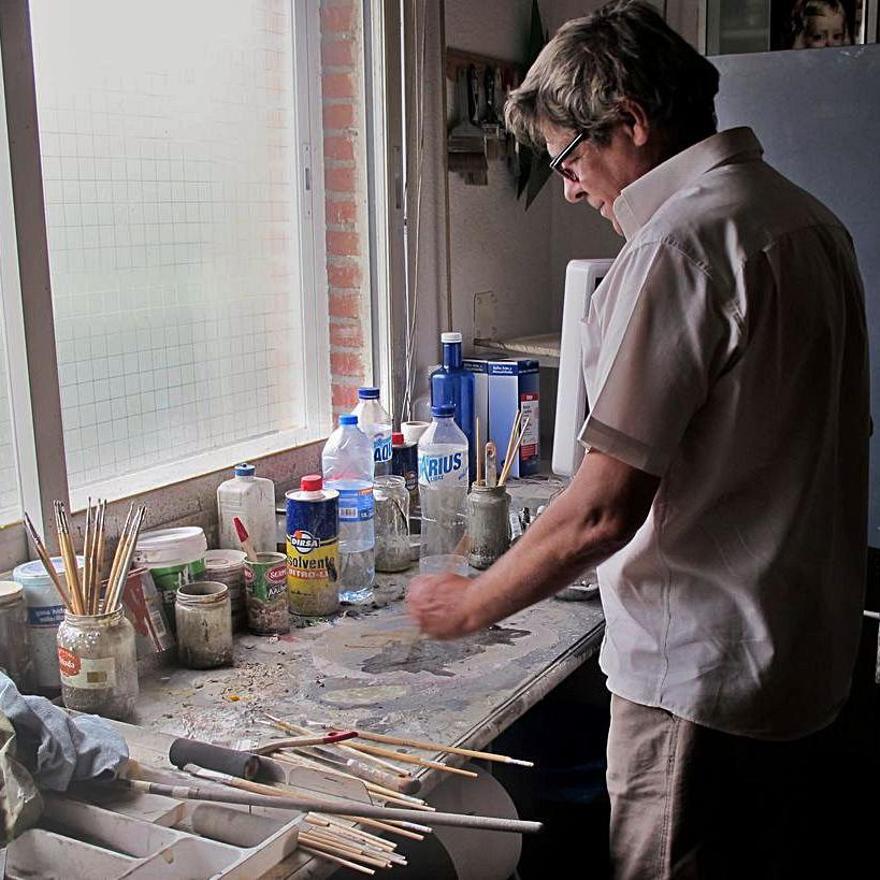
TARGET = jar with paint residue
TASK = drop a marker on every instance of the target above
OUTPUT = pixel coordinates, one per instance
(227, 567)
(15, 658)
(97, 658)
(488, 524)
(174, 557)
(392, 524)
(265, 582)
(204, 625)
(45, 612)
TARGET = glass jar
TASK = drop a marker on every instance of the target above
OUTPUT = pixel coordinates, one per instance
(98, 663)
(392, 523)
(488, 524)
(227, 567)
(15, 657)
(203, 614)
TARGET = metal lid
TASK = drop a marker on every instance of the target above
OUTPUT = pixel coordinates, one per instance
(244, 470)
(10, 592)
(368, 393)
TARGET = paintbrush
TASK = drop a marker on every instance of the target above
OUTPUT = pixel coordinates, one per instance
(508, 463)
(40, 547)
(245, 539)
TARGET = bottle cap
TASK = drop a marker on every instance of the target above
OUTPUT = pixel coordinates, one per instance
(443, 411)
(244, 470)
(449, 338)
(348, 420)
(368, 393)
(397, 439)
(312, 483)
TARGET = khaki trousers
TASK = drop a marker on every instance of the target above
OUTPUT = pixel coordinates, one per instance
(690, 802)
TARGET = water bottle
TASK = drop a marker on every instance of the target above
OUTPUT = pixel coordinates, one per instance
(452, 383)
(443, 484)
(347, 463)
(376, 424)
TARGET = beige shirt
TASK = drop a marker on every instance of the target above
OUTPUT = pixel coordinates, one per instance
(725, 352)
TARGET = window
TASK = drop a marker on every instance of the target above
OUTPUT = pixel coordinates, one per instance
(171, 174)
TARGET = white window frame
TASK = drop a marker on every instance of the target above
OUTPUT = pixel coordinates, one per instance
(27, 301)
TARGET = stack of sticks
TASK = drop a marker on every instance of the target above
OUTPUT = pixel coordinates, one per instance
(85, 597)
(487, 471)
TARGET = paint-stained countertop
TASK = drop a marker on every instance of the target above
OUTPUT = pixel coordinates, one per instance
(368, 668)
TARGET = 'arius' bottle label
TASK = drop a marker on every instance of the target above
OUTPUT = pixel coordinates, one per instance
(434, 468)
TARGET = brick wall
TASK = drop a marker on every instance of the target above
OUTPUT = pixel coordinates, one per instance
(345, 199)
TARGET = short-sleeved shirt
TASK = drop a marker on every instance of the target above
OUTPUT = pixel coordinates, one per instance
(725, 352)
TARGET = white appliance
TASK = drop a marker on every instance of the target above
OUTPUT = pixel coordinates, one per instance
(582, 277)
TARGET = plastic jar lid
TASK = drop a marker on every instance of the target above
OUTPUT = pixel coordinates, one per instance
(443, 410)
(450, 338)
(34, 574)
(244, 470)
(397, 439)
(10, 592)
(224, 559)
(312, 483)
(348, 420)
(171, 546)
(369, 393)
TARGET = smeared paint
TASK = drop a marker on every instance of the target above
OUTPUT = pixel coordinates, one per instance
(436, 657)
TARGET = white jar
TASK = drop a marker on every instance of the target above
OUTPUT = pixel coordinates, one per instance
(251, 499)
(45, 611)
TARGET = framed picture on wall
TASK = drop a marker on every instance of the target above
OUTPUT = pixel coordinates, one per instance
(816, 24)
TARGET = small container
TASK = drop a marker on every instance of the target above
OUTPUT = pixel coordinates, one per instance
(488, 524)
(444, 563)
(265, 583)
(45, 611)
(98, 662)
(313, 548)
(227, 567)
(174, 557)
(142, 605)
(252, 499)
(405, 463)
(204, 625)
(15, 657)
(392, 524)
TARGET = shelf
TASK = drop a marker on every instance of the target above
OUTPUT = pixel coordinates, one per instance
(545, 347)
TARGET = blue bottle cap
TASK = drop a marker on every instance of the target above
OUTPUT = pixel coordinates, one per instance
(443, 411)
(244, 470)
(368, 393)
(348, 420)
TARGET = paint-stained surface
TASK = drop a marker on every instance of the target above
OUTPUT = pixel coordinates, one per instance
(370, 668)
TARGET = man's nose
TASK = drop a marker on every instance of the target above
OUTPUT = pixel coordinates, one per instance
(573, 190)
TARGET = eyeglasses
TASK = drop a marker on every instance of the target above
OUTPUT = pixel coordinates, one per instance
(559, 158)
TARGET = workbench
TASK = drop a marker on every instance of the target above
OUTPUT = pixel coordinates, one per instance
(366, 667)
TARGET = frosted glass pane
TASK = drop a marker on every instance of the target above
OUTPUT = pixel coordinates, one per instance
(10, 497)
(169, 157)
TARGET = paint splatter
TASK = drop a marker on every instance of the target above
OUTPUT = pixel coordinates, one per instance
(437, 657)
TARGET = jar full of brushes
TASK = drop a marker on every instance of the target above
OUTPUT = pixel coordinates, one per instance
(97, 659)
(488, 524)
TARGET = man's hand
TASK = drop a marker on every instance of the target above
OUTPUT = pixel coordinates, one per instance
(438, 604)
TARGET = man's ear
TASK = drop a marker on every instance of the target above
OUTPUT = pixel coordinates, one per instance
(635, 122)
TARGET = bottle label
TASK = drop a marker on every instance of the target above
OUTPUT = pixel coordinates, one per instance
(45, 615)
(356, 505)
(88, 674)
(381, 450)
(436, 468)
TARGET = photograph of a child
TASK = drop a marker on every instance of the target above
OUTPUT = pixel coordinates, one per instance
(815, 24)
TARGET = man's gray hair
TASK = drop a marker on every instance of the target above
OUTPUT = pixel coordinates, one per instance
(593, 66)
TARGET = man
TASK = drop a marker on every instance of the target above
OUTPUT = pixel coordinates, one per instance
(724, 489)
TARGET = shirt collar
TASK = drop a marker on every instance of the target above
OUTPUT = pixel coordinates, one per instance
(639, 201)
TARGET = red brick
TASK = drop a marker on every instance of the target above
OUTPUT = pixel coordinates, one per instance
(345, 397)
(345, 305)
(337, 19)
(344, 363)
(339, 179)
(343, 244)
(344, 276)
(341, 212)
(338, 116)
(338, 85)
(346, 335)
(337, 53)
(338, 148)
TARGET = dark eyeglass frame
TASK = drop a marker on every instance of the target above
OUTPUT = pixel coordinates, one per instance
(559, 158)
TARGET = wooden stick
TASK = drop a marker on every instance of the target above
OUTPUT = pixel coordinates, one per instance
(126, 553)
(111, 579)
(351, 830)
(334, 845)
(301, 741)
(438, 747)
(403, 829)
(413, 759)
(99, 556)
(336, 859)
(71, 573)
(87, 557)
(40, 547)
(514, 429)
(508, 465)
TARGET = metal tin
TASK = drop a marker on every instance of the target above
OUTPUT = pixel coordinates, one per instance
(265, 582)
(313, 552)
(488, 524)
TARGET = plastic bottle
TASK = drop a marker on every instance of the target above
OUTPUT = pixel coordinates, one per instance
(443, 484)
(376, 424)
(347, 463)
(452, 383)
(253, 500)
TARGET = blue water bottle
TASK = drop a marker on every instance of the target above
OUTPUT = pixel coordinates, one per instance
(452, 383)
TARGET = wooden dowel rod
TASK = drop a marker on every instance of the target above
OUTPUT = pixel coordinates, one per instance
(336, 859)
(334, 845)
(399, 828)
(413, 759)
